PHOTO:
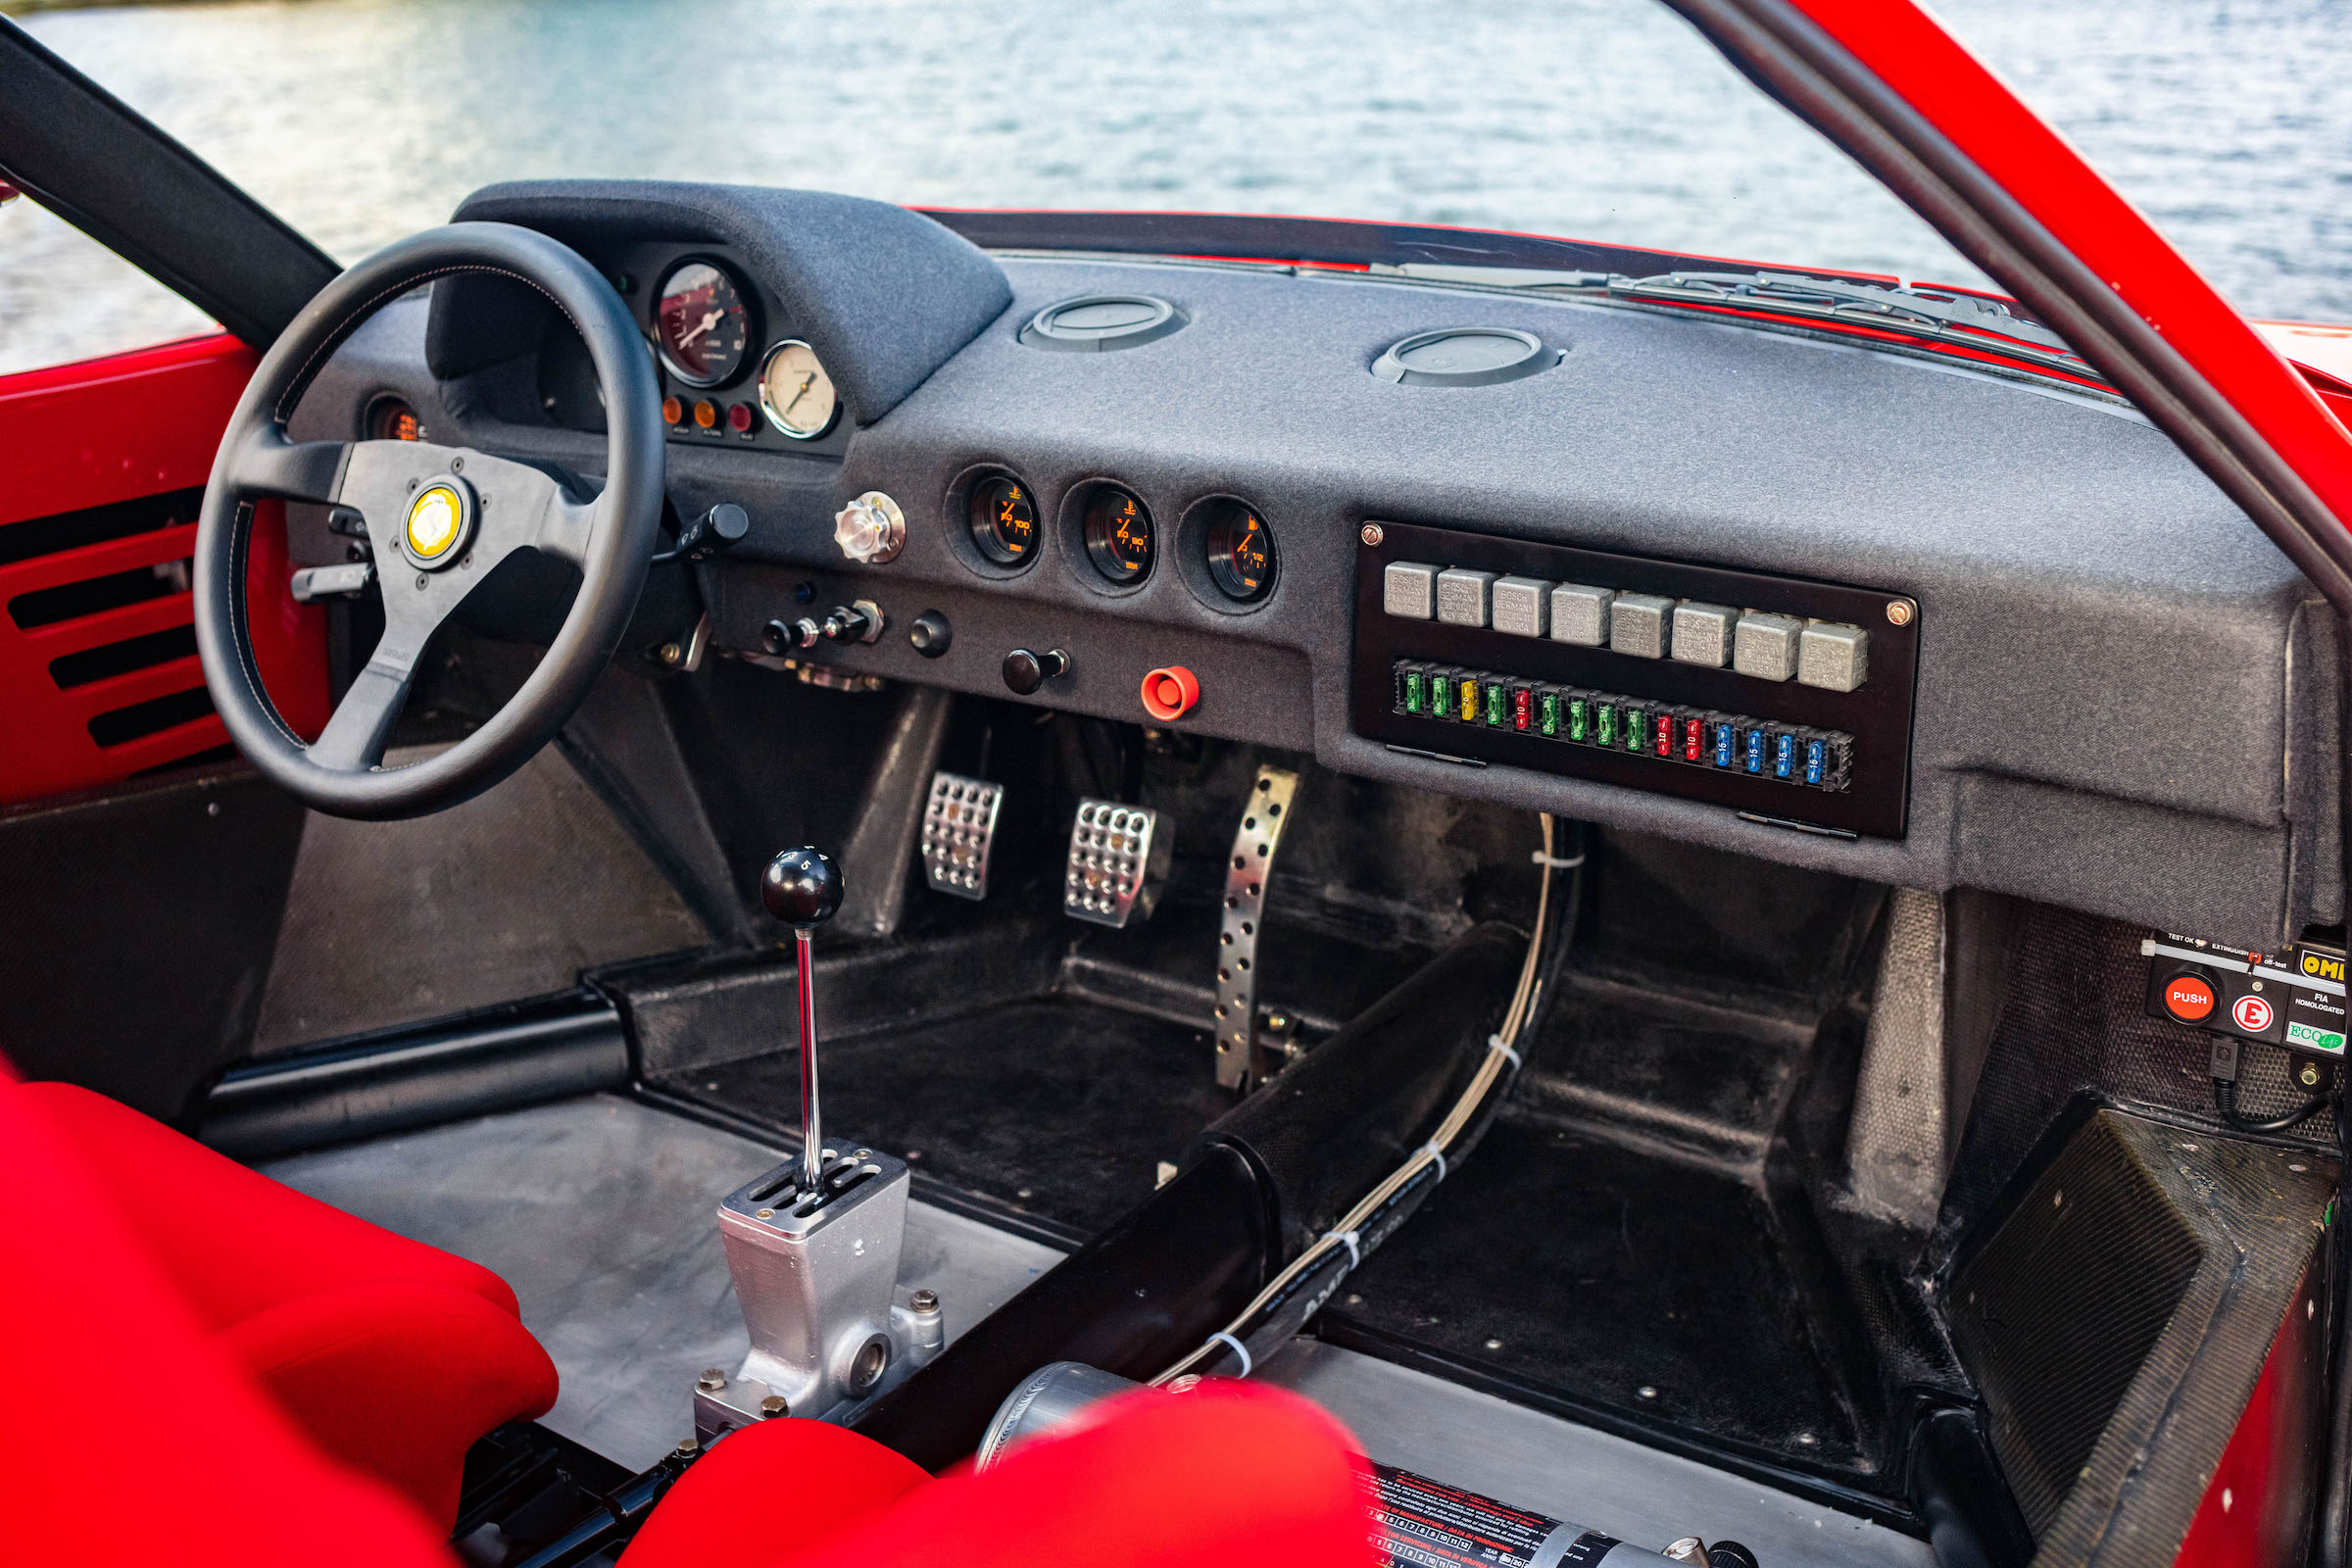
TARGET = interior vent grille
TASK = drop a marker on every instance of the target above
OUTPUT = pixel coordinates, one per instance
(98, 646)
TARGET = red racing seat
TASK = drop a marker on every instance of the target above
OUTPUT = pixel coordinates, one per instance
(1230, 1473)
(135, 1425)
(391, 1356)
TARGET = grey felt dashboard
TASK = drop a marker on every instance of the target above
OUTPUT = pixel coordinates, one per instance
(2126, 700)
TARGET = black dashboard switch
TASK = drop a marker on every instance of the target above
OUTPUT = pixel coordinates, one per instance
(1025, 671)
(782, 636)
(931, 635)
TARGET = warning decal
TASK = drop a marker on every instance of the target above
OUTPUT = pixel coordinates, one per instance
(2251, 1013)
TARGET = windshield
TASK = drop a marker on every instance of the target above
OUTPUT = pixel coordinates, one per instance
(360, 120)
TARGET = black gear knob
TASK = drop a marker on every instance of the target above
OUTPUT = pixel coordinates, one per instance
(802, 888)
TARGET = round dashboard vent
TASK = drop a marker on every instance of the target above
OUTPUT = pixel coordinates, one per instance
(1465, 356)
(1095, 323)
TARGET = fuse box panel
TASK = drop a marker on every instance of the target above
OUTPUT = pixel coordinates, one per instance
(1778, 697)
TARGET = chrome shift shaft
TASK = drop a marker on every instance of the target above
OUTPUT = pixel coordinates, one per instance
(803, 888)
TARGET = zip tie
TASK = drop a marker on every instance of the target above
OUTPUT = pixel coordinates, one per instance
(1553, 862)
(1346, 1239)
(1495, 1043)
(1238, 1349)
(1432, 1150)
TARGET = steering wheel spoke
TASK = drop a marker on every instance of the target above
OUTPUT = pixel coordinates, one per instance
(354, 739)
(270, 465)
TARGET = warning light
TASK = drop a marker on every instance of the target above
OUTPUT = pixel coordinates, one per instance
(2189, 998)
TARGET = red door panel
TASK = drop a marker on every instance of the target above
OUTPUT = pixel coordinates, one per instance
(98, 672)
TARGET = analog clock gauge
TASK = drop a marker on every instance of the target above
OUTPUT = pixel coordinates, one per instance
(702, 324)
(796, 393)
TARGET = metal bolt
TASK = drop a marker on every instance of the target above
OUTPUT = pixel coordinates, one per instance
(1185, 1384)
(1899, 613)
(712, 1381)
(688, 1447)
(671, 652)
(925, 1301)
(1372, 535)
(1647, 1391)
(457, 465)
(420, 579)
(772, 1407)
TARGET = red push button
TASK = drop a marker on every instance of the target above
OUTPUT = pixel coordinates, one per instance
(1170, 692)
(2189, 997)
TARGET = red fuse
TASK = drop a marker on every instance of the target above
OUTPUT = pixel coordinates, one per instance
(1695, 739)
(1662, 739)
(1522, 709)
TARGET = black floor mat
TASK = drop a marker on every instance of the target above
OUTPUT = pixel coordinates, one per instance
(1611, 1280)
(1058, 1107)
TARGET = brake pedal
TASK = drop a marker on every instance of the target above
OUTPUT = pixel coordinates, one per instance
(960, 827)
(1118, 860)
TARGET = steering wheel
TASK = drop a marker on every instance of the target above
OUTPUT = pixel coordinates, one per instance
(439, 520)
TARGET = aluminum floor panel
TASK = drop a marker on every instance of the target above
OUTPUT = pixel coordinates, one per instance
(601, 1212)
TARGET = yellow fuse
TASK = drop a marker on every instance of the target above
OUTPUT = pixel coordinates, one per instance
(1468, 688)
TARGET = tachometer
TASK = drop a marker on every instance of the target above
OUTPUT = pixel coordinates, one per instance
(702, 324)
(795, 392)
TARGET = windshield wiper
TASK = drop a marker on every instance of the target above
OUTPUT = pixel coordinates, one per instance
(1932, 315)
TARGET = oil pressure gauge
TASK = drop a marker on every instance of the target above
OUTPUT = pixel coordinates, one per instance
(795, 392)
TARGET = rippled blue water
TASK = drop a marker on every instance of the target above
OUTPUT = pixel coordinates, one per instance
(363, 120)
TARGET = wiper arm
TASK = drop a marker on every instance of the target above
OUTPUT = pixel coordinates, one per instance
(1940, 314)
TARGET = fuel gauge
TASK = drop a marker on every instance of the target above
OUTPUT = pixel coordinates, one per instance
(1240, 549)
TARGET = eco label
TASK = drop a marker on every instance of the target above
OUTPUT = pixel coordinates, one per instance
(2311, 1039)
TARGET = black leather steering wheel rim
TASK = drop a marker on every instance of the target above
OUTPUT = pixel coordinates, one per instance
(609, 540)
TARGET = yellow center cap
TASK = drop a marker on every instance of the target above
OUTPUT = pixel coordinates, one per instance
(434, 518)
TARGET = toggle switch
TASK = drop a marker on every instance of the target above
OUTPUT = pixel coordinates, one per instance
(1026, 671)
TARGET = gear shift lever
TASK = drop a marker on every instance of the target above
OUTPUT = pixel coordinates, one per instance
(803, 888)
(814, 1243)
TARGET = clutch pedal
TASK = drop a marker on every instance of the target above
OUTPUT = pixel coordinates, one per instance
(960, 828)
(1248, 869)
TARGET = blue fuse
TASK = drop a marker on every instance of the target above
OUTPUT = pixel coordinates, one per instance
(1756, 751)
(1783, 755)
(1817, 760)
(1723, 742)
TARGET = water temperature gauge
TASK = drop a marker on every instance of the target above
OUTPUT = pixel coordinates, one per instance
(1004, 519)
(1118, 534)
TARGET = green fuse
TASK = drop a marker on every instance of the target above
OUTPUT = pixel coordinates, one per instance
(1547, 715)
(1604, 724)
(1637, 729)
(1580, 719)
(1417, 691)
(1499, 705)
(1468, 708)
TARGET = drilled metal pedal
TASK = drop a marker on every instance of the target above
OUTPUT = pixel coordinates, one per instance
(1118, 858)
(960, 827)
(1246, 870)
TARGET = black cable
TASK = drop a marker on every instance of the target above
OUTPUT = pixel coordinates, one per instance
(2224, 1101)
